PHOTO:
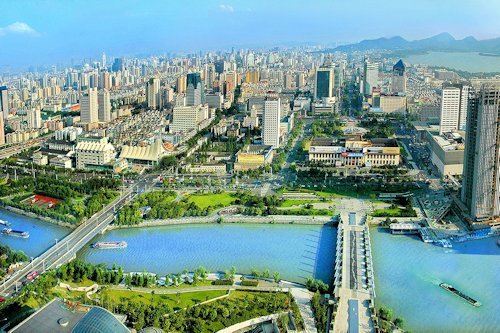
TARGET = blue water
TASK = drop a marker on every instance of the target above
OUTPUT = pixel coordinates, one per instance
(466, 61)
(408, 273)
(295, 251)
(42, 234)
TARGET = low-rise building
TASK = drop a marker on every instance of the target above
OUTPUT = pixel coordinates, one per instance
(61, 162)
(447, 153)
(253, 157)
(144, 155)
(93, 152)
(354, 153)
(217, 168)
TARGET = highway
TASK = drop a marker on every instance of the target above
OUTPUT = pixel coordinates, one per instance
(65, 250)
(18, 148)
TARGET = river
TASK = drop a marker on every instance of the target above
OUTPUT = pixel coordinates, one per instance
(465, 61)
(42, 234)
(295, 251)
(407, 271)
(407, 276)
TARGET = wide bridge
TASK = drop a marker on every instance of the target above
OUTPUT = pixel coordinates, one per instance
(65, 249)
(354, 289)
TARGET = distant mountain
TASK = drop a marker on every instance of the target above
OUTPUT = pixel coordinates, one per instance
(441, 42)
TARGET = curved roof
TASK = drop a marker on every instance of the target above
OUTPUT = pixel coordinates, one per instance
(148, 153)
(99, 320)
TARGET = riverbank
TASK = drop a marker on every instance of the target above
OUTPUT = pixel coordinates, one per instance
(36, 216)
(271, 219)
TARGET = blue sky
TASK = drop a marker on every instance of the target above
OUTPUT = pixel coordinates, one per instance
(49, 31)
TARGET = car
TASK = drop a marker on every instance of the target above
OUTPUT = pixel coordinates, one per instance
(2, 299)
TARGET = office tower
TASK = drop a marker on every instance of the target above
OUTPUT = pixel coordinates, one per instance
(188, 118)
(34, 118)
(370, 77)
(103, 60)
(454, 98)
(105, 80)
(89, 106)
(324, 82)
(398, 80)
(2, 130)
(117, 65)
(271, 123)
(153, 93)
(167, 96)
(181, 85)
(104, 110)
(481, 177)
(195, 90)
(4, 101)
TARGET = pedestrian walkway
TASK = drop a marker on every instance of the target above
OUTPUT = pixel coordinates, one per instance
(303, 299)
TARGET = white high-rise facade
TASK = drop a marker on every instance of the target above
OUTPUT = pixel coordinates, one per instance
(34, 118)
(104, 113)
(89, 106)
(370, 77)
(453, 115)
(271, 121)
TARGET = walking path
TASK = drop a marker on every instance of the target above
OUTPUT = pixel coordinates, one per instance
(303, 299)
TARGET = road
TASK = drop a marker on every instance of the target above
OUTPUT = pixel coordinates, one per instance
(17, 148)
(64, 250)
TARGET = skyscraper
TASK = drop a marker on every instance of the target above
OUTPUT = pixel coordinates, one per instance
(2, 130)
(89, 106)
(324, 81)
(153, 93)
(454, 100)
(4, 101)
(370, 77)
(398, 81)
(271, 120)
(104, 109)
(117, 65)
(195, 90)
(481, 177)
(103, 60)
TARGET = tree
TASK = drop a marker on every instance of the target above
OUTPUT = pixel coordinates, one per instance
(398, 322)
(276, 277)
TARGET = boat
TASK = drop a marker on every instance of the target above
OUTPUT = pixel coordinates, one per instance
(15, 233)
(460, 294)
(110, 245)
(2, 222)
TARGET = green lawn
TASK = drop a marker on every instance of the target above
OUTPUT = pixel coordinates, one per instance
(308, 212)
(393, 212)
(175, 301)
(206, 200)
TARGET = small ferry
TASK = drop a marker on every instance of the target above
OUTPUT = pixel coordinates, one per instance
(15, 233)
(2, 222)
(110, 245)
(460, 294)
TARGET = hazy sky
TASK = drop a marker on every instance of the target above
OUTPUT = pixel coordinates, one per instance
(52, 31)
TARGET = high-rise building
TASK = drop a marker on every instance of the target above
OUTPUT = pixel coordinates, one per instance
(34, 118)
(117, 65)
(104, 111)
(181, 84)
(481, 177)
(454, 100)
(195, 90)
(89, 106)
(324, 81)
(4, 101)
(2, 130)
(103, 60)
(187, 118)
(153, 93)
(271, 120)
(398, 81)
(370, 76)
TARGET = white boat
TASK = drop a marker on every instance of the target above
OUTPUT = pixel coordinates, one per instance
(3, 222)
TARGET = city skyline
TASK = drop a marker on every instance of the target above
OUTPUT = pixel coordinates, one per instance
(212, 25)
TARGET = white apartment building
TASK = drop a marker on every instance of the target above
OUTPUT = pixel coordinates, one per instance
(104, 111)
(454, 101)
(89, 106)
(187, 118)
(271, 121)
